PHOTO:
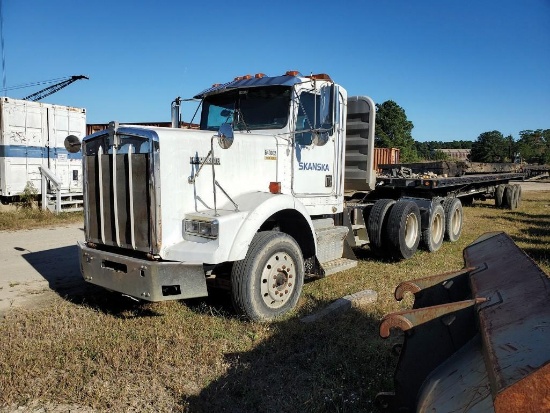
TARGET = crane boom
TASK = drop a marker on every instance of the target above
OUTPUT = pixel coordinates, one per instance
(41, 94)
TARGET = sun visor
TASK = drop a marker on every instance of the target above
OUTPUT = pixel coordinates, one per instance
(251, 82)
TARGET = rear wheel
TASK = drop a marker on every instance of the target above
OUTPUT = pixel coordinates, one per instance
(517, 195)
(404, 229)
(377, 223)
(432, 237)
(499, 196)
(453, 218)
(268, 282)
(509, 199)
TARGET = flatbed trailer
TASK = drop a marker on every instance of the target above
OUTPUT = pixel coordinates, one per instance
(439, 201)
(477, 186)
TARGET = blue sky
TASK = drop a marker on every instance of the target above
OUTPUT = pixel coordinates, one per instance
(458, 68)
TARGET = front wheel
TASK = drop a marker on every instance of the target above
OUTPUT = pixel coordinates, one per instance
(268, 282)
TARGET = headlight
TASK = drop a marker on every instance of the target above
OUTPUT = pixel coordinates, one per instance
(207, 229)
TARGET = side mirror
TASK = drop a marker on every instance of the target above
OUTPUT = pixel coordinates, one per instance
(225, 136)
(326, 116)
(72, 144)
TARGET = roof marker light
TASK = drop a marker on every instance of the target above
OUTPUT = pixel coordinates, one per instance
(292, 73)
(320, 76)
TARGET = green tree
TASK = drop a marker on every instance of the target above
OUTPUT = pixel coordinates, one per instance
(491, 147)
(534, 146)
(438, 155)
(393, 130)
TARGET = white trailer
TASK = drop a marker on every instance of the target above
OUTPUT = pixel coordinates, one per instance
(277, 185)
(32, 136)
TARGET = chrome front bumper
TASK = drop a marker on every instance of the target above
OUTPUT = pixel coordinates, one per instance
(142, 279)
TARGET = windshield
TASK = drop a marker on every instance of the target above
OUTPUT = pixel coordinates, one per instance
(247, 109)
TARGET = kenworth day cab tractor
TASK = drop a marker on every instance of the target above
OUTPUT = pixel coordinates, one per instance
(276, 185)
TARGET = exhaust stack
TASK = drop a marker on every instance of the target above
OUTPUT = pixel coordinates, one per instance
(175, 107)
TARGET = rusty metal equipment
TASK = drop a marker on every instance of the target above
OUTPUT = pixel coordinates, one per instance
(476, 340)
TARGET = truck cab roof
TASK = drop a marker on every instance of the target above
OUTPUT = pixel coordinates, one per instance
(290, 78)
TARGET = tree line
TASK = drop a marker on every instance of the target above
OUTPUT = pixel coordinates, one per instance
(394, 130)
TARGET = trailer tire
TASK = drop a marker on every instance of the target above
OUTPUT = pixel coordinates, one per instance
(404, 229)
(377, 223)
(432, 237)
(499, 196)
(454, 218)
(518, 195)
(509, 197)
(268, 282)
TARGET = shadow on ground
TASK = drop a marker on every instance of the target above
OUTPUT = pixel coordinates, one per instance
(60, 267)
(536, 233)
(332, 365)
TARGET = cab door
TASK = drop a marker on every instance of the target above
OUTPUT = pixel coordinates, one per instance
(314, 158)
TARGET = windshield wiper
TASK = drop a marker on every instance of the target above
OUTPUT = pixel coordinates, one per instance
(238, 114)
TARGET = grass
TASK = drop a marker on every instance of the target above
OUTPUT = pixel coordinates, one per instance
(28, 218)
(99, 350)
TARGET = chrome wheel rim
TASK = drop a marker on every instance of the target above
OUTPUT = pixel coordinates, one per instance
(278, 280)
(411, 230)
(437, 228)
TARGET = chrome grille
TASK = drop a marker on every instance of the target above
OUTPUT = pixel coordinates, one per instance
(119, 191)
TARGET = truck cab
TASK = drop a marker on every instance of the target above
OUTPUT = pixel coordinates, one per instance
(303, 116)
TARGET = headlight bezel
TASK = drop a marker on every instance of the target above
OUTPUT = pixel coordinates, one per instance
(202, 228)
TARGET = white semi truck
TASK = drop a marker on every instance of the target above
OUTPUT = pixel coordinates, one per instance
(276, 185)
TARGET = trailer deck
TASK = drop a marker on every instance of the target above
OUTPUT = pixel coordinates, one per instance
(446, 182)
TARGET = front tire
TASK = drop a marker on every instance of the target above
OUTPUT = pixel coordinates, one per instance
(268, 282)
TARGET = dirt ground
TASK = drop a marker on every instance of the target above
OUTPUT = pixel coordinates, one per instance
(38, 264)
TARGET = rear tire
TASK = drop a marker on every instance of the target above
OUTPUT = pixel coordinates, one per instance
(432, 237)
(454, 218)
(499, 196)
(404, 229)
(268, 282)
(377, 223)
(509, 197)
(518, 195)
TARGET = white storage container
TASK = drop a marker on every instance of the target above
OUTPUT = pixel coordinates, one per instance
(32, 134)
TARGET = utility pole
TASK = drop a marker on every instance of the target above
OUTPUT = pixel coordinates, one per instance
(2, 45)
